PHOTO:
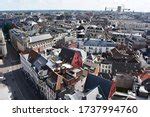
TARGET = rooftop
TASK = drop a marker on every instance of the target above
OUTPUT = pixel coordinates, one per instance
(126, 34)
(104, 86)
(40, 38)
(99, 42)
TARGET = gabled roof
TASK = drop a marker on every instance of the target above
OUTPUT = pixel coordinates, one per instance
(123, 56)
(145, 75)
(36, 59)
(133, 60)
(67, 55)
(33, 56)
(93, 81)
(115, 52)
(106, 76)
(82, 52)
(52, 80)
(39, 62)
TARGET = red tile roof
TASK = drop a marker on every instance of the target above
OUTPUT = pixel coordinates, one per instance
(145, 75)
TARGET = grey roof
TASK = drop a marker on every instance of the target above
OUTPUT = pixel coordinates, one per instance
(67, 54)
(40, 38)
(106, 76)
(123, 67)
(52, 79)
(147, 52)
(41, 61)
(50, 64)
(99, 42)
(106, 62)
(18, 32)
(103, 85)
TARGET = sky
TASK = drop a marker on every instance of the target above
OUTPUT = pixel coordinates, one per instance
(136, 5)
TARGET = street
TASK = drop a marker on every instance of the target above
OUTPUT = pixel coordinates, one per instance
(20, 88)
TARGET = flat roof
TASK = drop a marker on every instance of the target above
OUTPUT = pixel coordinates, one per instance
(76, 70)
(67, 65)
(126, 34)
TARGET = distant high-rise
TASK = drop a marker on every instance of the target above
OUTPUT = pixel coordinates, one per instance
(119, 9)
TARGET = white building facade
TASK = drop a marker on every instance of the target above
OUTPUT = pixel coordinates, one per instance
(3, 49)
(41, 84)
(106, 68)
(27, 67)
(22, 41)
(96, 45)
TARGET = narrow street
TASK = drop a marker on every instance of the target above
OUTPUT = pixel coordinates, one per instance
(20, 88)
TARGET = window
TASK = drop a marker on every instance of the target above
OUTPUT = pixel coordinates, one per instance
(100, 50)
(95, 50)
(107, 49)
(42, 88)
(90, 48)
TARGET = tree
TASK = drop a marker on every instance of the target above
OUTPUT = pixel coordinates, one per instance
(5, 28)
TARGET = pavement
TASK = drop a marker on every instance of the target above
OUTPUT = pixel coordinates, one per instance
(18, 86)
(1, 62)
(5, 93)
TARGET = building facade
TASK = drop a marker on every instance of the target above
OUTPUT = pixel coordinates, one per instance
(3, 48)
(23, 42)
(106, 67)
(96, 45)
(94, 31)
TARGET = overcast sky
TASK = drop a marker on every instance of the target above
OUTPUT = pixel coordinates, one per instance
(136, 5)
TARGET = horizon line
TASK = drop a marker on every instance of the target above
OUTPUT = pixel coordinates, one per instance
(67, 10)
